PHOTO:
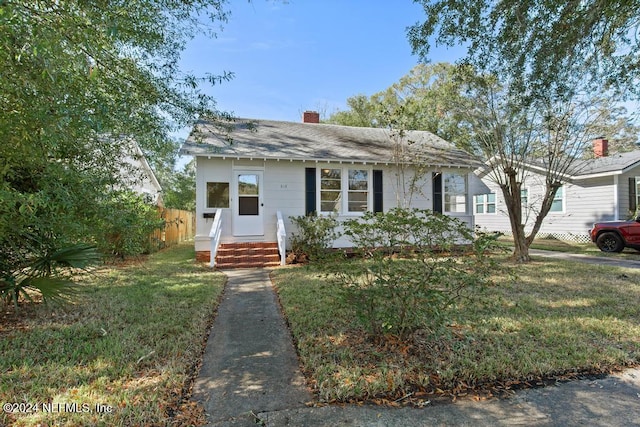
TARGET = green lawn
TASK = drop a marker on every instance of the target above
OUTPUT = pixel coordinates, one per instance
(555, 320)
(131, 340)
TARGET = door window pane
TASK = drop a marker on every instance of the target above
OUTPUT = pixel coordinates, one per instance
(248, 184)
(248, 205)
(248, 194)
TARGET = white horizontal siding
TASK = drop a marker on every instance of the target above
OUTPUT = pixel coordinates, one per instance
(624, 211)
(585, 202)
(284, 191)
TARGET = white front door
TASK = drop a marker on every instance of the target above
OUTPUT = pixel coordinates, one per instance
(247, 206)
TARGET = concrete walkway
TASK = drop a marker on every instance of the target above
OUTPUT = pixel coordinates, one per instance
(250, 376)
(250, 365)
(589, 259)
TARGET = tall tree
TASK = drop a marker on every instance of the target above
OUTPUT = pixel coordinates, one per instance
(362, 112)
(179, 187)
(481, 115)
(80, 80)
(418, 101)
(540, 47)
(550, 136)
(546, 55)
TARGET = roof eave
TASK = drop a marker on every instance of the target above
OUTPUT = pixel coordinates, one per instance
(321, 160)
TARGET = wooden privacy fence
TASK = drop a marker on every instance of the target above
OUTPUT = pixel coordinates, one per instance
(179, 226)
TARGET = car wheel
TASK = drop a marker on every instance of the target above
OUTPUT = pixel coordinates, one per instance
(610, 242)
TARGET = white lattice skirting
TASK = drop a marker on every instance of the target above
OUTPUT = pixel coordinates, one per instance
(567, 237)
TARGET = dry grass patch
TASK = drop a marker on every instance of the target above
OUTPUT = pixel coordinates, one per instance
(556, 320)
(131, 340)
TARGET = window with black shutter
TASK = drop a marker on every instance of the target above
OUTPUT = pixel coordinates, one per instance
(377, 191)
(310, 190)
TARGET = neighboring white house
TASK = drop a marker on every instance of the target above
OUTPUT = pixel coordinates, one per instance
(299, 168)
(601, 189)
(138, 176)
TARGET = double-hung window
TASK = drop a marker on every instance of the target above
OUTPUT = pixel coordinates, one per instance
(330, 190)
(485, 203)
(634, 194)
(558, 201)
(524, 199)
(358, 195)
(455, 193)
(344, 190)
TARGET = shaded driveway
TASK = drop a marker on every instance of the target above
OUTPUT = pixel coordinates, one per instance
(589, 259)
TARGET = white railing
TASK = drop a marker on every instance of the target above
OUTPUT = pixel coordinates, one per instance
(214, 235)
(282, 238)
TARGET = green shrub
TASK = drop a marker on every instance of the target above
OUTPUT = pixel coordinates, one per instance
(126, 224)
(314, 237)
(48, 274)
(410, 267)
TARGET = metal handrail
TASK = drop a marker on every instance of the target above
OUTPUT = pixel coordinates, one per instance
(282, 238)
(214, 235)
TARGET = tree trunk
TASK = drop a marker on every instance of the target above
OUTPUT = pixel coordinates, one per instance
(520, 247)
(513, 199)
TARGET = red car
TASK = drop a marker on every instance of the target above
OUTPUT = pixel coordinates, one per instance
(614, 236)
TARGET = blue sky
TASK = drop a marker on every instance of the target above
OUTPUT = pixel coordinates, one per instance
(300, 55)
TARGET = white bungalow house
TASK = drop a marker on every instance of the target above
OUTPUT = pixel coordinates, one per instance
(605, 188)
(248, 188)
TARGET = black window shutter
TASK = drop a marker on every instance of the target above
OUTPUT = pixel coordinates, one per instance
(377, 191)
(310, 191)
(436, 177)
(632, 195)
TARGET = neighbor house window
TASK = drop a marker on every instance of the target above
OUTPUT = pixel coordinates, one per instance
(217, 194)
(558, 201)
(330, 190)
(524, 199)
(455, 193)
(485, 203)
(358, 190)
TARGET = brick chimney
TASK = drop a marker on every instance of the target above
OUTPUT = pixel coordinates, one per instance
(311, 117)
(600, 147)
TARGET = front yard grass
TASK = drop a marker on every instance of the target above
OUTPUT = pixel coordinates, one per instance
(131, 340)
(556, 320)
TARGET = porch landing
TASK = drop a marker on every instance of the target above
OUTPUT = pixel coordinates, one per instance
(244, 255)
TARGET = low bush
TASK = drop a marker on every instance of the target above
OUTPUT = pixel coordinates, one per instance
(410, 267)
(126, 229)
(314, 237)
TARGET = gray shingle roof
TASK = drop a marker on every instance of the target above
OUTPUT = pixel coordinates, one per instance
(308, 141)
(615, 163)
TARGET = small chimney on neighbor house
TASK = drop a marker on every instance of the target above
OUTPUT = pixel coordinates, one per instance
(311, 117)
(600, 147)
